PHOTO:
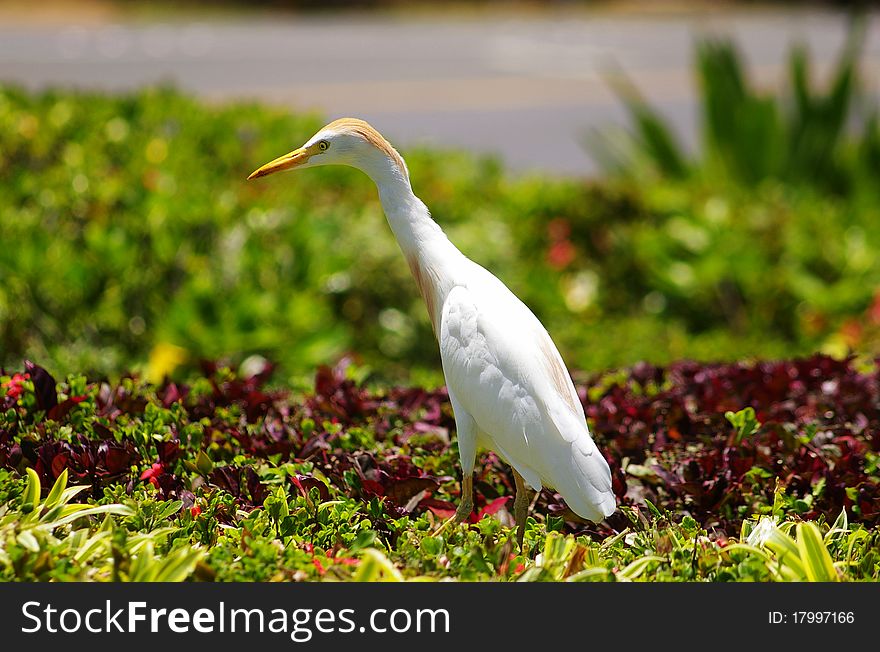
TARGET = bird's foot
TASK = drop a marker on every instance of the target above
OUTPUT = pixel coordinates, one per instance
(465, 507)
(462, 514)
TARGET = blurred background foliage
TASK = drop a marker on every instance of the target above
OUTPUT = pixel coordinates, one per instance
(128, 232)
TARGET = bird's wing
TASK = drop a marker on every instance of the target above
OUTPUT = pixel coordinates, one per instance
(506, 372)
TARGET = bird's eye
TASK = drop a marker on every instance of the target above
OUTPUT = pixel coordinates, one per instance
(323, 145)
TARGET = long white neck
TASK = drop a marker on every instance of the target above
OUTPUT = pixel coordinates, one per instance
(435, 262)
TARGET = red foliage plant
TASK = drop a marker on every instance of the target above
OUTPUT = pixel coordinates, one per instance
(663, 431)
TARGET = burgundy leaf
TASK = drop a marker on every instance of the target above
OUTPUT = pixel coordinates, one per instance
(58, 412)
(493, 507)
(44, 386)
(59, 463)
(306, 482)
(400, 492)
(168, 451)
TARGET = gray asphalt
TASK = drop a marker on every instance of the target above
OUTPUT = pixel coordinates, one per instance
(527, 87)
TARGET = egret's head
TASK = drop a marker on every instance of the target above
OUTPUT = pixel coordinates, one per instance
(347, 141)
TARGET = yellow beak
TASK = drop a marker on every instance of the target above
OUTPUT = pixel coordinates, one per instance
(290, 160)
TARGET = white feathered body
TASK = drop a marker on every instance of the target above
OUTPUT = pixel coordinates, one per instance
(503, 370)
(509, 388)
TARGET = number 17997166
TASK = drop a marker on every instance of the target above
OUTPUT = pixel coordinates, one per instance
(811, 617)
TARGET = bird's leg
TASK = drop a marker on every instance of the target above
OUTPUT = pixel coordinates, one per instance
(466, 428)
(520, 507)
(465, 507)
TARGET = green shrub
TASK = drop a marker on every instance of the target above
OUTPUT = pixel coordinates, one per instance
(823, 139)
(130, 238)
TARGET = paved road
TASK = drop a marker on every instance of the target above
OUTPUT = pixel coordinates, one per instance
(527, 87)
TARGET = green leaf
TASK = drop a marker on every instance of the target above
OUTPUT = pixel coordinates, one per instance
(788, 559)
(57, 491)
(556, 549)
(639, 566)
(68, 494)
(170, 509)
(283, 506)
(653, 142)
(143, 567)
(92, 546)
(840, 525)
(178, 565)
(431, 546)
(204, 463)
(28, 540)
(287, 526)
(818, 565)
(744, 421)
(31, 496)
(595, 574)
(365, 539)
(376, 567)
(653, 509)
(120, 510)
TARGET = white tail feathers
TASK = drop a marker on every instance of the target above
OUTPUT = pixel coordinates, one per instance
(586, 484)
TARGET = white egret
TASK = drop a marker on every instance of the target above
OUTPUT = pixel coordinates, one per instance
(509, 388)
